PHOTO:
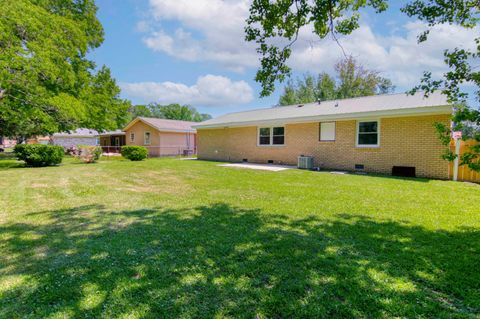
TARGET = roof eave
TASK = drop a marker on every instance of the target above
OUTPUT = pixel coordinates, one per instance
(81, 136)
(139, 119)
(111, 134)
(434, 110)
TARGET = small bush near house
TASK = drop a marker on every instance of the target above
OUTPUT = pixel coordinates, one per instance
(89, 153)
(38, 155)
(72, 151)
(134, 153)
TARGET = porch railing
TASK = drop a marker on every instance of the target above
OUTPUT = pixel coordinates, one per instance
(158, 150)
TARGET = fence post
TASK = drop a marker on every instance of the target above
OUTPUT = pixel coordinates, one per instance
(457, 137)
(457, 159)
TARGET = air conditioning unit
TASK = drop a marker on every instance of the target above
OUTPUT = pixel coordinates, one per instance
(305, 162)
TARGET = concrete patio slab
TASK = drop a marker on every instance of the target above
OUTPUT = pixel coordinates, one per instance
(263, 167)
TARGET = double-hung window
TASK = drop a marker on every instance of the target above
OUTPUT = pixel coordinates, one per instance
(271, 136)
(132, 137)
(368, 134)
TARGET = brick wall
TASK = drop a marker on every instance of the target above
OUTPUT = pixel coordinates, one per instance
(68, 142)
(405, 141)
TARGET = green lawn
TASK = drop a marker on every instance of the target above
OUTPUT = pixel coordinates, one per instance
(165, 238)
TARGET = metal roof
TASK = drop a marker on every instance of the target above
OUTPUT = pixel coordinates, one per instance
(165, 125)
(378, 105)
(79, 132)
(110, 133)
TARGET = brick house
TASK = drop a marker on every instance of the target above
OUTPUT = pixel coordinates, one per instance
(162, 137)
(81, 136)
(6, 142)
(372, 134)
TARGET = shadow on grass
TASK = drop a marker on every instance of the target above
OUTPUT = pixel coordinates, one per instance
(8, 160)
(225, 261)
(397, 178)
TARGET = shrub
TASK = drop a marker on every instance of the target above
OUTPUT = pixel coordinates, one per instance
(72, 151)
(134, 153)
(38, 155)
(89, 153)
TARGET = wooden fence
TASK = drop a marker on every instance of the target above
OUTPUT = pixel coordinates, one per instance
(464, 173)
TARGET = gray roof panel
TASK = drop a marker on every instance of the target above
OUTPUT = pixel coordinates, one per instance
(383, 105)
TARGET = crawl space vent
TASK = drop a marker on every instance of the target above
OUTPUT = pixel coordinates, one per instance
(404, 171)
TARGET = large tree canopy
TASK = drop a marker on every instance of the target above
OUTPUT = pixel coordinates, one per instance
(170, 111)
(270, 22)
(46, 82)
(353, 80)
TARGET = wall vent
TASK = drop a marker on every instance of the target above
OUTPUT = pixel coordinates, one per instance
(404, 171)
(270, 161)
(245, 160)
(359, 167)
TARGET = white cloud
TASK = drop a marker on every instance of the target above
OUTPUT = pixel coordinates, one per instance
(400, 58)
(209, 90)
(220, 24)
(213, 31)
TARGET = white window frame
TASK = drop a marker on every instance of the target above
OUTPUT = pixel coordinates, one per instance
(132, 137)
(334, 131)
(358, 134)
(145, 138)
(271, 136)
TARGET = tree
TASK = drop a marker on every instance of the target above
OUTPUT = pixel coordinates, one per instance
(170, 111)
(326, 87)
(139, 110)
(46, 82)
(353, 81)
(272, 21)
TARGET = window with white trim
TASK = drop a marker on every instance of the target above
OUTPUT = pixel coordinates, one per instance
(271, 135)
(367, 133)
(327, 131)
(146, 139)
(132, 137)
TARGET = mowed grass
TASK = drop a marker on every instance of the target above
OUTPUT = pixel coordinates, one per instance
(166, 238)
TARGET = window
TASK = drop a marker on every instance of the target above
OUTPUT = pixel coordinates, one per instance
(146, 140)
(278, 135)
(367, 134)
(264, 134)
(132, 137)
(271, 135)
(327, 131)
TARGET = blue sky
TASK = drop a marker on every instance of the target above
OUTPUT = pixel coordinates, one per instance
(193, 52)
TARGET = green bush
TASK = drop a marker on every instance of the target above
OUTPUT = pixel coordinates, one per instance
(89, 153)
(38, 155)
(134, 153)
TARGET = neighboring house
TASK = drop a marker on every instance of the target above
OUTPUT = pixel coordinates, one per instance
(6, 142)
(39, 140)
(111, 142)
(81, 136)
(371, 134)
(162, 137)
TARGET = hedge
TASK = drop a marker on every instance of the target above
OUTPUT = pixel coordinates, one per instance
(38, 155)
(134, 153)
